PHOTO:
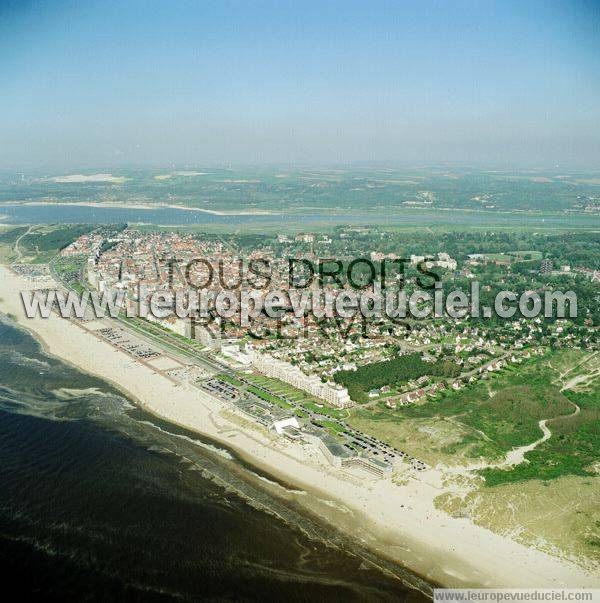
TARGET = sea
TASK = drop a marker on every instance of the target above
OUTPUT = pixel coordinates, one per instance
(101, 501)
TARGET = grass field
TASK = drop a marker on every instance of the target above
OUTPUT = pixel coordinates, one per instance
(229, 379)
(8, 237)
(332, 427)
(40, 244)
(268, 397)
(489, 418)
(279, 388)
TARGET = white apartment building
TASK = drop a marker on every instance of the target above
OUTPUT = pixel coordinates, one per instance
(443, 261)
(334, 394)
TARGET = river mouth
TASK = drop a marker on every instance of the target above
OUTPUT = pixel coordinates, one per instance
(77, 213)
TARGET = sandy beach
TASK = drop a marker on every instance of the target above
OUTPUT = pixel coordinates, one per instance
(111, 204)
(399, 522)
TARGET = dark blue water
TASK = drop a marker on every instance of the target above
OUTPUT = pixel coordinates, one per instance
(73, 214)
(100, 501)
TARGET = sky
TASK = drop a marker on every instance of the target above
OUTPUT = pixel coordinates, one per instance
(93, 84)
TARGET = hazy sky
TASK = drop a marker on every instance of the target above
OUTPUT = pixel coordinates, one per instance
(86, 84)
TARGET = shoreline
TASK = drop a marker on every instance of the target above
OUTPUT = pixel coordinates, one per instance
(249, 470)
(148, 206)
(396, 522)
(300, 210)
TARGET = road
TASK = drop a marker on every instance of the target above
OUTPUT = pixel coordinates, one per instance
(17, 248)
(169, 345)
(427, 389)
(175, 348)
(516, 456)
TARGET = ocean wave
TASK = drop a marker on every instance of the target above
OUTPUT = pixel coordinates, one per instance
(66, 393)
(16, 357)
(25, 404)
(220, 451)
(62, 404)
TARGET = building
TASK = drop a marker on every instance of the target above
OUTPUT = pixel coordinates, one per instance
(172, 323)
(286, 427)
(341, 457)
(209, 335)
(546, 266)
(373, 466)
(305, 237)
(93, 278)
(334, 394)
(443, 261)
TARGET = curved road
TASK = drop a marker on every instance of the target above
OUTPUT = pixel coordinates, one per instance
(17, 241)
(516, 456)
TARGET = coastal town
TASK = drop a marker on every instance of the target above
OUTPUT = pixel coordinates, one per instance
(300, 301)
(298, 387)
(398, 419)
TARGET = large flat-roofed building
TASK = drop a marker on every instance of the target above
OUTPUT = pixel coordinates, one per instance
(207, 335)
(341, 457)
(334, 394)
(371, 465)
